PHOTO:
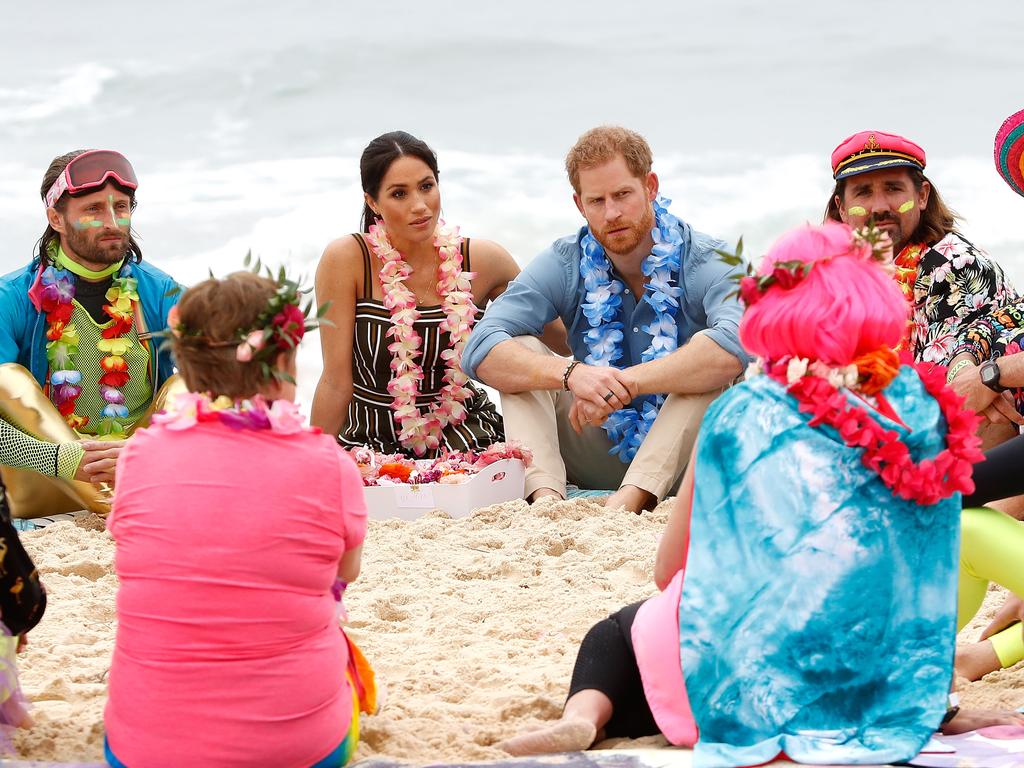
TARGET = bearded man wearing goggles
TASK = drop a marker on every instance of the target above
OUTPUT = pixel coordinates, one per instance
(79, 365)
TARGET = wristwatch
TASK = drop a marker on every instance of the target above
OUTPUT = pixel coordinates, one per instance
(990, 376)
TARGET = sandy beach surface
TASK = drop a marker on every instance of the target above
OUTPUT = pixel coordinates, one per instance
(472, 625)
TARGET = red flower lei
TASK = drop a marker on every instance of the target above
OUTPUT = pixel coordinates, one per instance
(927, 482)
(906, 263)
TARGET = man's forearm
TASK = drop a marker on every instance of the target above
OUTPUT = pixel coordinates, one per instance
(1011, 370)
(512, 368)
(699, 366)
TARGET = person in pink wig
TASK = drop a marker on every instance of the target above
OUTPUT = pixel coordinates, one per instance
(808, 571)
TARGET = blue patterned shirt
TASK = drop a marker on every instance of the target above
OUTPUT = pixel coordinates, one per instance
(551, 286)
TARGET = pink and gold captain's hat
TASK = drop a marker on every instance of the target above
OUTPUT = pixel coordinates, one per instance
(868, 151)
(1009, 151)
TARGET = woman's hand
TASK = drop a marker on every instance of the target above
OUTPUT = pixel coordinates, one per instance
(1011, 612)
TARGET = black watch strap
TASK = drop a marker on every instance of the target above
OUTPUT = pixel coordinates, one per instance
(990, 376)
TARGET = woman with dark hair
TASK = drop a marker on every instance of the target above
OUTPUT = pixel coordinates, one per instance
(404, 293)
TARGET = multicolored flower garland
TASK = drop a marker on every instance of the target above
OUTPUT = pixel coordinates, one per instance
(906, 264)
(628, 427)
(190, 408)
(449, 468)
(421, 432)
(58, 293)
(926, 482)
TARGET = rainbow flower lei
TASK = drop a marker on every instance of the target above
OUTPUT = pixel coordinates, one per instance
(420, 432)
(628, 427)
(65, 380)
(192, 408)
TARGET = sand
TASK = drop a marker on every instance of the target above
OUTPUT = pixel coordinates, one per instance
(472, 625)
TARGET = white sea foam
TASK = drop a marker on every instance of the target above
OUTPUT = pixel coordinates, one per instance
(72, 88)
(199, 218)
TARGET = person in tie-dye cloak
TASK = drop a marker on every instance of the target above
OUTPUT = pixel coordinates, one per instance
(809, 569)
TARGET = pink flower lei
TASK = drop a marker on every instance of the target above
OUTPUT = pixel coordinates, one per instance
(926, 482)
(192, 408)
(420, 432)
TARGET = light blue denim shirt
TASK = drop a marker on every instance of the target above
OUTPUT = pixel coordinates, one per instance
(551, 286)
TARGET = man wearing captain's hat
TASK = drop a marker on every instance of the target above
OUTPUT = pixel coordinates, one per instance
(957, 291)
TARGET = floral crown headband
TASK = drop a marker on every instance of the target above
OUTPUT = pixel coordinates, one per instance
(279, 328)
(751, 287)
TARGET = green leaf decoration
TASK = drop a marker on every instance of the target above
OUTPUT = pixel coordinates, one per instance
(735, 259)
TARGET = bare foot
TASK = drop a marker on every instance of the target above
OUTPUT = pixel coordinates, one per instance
(973, 719)
(561, 736)
(976, 660)
(540, 493)
(631, 498)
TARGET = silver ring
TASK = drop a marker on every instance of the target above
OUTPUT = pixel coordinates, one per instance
(609, 396)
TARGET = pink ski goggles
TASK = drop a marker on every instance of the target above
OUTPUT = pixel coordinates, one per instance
(91, 170)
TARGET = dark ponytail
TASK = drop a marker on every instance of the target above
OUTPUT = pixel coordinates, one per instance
(378, 157)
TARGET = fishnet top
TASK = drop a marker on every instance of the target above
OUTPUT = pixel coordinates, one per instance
(22, 451)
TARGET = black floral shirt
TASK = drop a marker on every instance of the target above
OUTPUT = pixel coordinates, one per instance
(963, 302)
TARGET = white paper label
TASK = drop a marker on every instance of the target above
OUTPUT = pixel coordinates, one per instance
(415, 496)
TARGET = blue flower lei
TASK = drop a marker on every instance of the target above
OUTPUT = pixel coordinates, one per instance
(627, 427)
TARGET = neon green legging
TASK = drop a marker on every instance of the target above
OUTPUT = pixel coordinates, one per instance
(991, 549)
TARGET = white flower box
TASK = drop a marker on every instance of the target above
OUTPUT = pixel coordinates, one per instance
(504, 480)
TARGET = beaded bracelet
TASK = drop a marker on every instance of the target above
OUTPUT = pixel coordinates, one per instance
(565, 376)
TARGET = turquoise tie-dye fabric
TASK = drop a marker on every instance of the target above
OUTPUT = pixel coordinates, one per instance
(818, 613)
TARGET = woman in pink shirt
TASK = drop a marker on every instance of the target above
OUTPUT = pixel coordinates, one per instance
(232, 521)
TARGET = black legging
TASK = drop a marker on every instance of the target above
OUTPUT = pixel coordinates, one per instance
(606, 663)
(997, 476)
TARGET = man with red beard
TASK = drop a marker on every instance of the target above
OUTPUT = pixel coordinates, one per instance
(79, 322)
(653, 330)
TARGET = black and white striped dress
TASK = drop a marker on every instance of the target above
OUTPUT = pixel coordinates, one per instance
(370, 420)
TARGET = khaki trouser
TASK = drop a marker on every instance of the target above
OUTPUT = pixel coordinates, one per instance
(540, 420)
(23, 404)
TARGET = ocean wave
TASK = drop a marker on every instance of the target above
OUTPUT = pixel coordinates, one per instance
(73, 89)
(287, 209)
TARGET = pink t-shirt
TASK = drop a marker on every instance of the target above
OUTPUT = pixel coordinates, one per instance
(227, 649)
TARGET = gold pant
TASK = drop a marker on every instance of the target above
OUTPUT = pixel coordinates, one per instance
(31, 494)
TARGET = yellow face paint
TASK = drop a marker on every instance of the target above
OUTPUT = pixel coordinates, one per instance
(856, 210)
(907, 206)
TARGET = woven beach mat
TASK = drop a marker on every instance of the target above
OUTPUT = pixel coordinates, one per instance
(995, 747)
(668, 757)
